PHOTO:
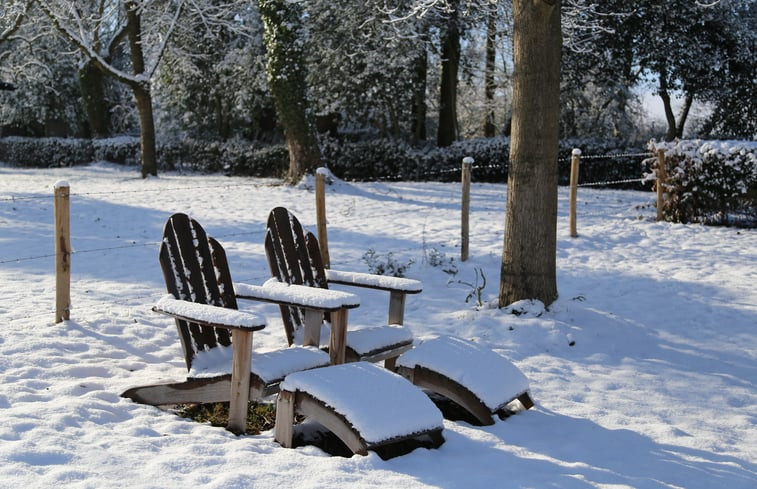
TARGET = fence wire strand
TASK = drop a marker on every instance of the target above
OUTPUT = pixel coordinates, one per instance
(458, 169)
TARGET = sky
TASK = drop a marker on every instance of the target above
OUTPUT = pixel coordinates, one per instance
(643, 371)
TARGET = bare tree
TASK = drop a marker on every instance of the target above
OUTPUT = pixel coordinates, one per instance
(83, 23)
(12, 16)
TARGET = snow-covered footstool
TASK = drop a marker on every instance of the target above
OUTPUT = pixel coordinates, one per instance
(478, 379)
(364, 405)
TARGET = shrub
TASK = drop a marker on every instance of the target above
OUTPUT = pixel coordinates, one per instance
(385, 264)
(46, 152)
(376, 159)
(711, 182)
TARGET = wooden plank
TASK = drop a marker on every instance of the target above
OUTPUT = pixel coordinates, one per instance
(441, 384)
(338, 336)
(313, 321)
(526, 400)
(396, 307)
(316, 263)
(320, 212)
(575, 161)
(62, 212)
(465, 208)
(197, 390)
(188, 236)
(240, 381)
(313, 408)
(284, 429)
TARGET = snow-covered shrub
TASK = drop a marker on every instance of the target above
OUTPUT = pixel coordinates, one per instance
(385, 264)
(490, 157)
(249, 160)
(122, 150)
(234, 157)
(369, 160)
(712, 182)
(46, 152)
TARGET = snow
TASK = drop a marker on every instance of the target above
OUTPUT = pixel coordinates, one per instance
(365, 340)
(494, 380)
(370, 405)
(385, 282)
(269, 366)
(314, 297)
(205, 313)
(657, 391)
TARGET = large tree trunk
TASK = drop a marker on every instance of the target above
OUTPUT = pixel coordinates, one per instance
(688, 99)
(92, 88)
(419, 95)
(490, 127)
(447, 133)
(529, 254)
(147, 144)
(141, 91)
(287, 84)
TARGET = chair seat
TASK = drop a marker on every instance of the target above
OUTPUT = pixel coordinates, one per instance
(270, 367)
(367, 341)
(493, 379)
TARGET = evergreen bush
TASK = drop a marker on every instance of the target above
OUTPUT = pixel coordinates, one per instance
(711, 182)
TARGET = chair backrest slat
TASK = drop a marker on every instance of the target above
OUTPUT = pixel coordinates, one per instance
(293, 257)
(190, 259)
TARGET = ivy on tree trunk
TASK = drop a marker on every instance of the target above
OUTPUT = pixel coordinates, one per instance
(287, 83)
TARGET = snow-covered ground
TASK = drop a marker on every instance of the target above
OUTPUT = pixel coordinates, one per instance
(658, 389)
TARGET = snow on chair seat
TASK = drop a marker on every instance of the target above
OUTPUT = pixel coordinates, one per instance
(478, 379)
(267, 369)
(364, 405)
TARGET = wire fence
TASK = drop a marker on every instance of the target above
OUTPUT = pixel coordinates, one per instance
(345, 220)
(138, 243)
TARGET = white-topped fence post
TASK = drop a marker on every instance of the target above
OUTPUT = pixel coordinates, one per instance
(320, 213)
(575, 161)
(62, 252)
(464, 225)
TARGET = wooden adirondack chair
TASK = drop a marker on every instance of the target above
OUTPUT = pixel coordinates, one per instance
(221, 367)
(294, 258)
(215, 337)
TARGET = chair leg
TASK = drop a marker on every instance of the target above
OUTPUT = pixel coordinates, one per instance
(391, 364)
(526, 400)
(240, 381)
(284, 430)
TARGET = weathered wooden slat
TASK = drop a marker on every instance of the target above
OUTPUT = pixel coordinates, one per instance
(240, 381)
(284, 428)
(314, 408)
(198, 390)
(436, 382)
(294, 257)
(191, 241)
(177, 290)
(289, 315)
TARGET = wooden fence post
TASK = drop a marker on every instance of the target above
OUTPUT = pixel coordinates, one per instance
(575, 161)
(62, 252)
(661, 178)
(320, 213)
(464, 226)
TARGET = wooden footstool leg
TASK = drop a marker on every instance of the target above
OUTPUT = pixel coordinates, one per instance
(284, 431)
(526, 400)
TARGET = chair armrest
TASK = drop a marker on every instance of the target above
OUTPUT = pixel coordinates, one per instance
(208, 315)
(298, 296)
(373, 281)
